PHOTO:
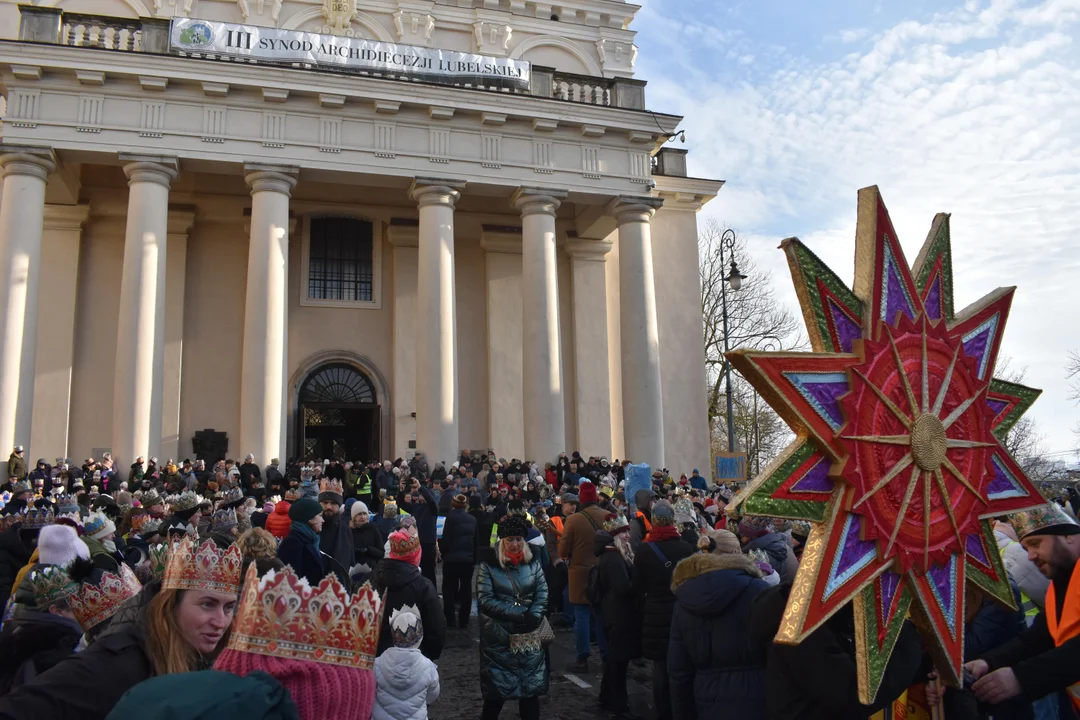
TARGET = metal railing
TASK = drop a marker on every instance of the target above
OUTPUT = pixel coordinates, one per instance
(151, 35)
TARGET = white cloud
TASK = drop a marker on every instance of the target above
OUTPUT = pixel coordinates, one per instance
(974, 111)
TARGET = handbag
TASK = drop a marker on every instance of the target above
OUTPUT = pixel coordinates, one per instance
(537, 639)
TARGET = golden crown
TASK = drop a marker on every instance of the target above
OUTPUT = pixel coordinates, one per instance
(282, 616)
(332, 486)
(93, 604)
(203, 567)
(51, 583)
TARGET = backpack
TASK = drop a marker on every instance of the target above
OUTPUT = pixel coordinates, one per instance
(593, 592)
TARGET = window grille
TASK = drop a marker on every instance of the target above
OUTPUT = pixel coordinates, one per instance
(340, 260)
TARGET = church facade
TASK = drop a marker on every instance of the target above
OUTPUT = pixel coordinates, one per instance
(343, 228)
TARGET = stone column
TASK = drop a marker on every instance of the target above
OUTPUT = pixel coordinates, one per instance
(140, 338)
(506, 414)
(60, 243)
(263, 378)
(588, 260)
(545, 420)
(22, 210)
(180, 221)
(402, 234)
(436, 320)
(643, 417)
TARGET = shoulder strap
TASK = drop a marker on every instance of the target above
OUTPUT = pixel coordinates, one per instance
(589, 518)
(660, 554)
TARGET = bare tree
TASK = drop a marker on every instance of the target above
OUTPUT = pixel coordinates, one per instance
(1025, 442)
(1072, 374)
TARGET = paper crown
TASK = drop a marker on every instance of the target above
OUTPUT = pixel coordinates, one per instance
(403, 543)
(51, 583)
(178, 528)
(95, 523)
(157, 560)
(232, 496)
(150, 498)
(406, 627)
(94, 604)
(292, 495)
(186, 500)
(21, 487)
(616, 523)
(275, 499)
(37, 518)
(223, 520)
(331, 486)
(204, 567)
(282, 616)
(1031, 521)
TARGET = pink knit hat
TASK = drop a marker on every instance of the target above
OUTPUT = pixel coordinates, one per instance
(320, 690)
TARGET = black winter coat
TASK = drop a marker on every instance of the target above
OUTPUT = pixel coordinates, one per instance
(302, 555)
(458, 544)
(426, 512)
(652, 581)
(712, 663)
(336, 541)
(14, 554)
(33, 642)
(817, 679)
(400, 583)
(781, 555)
(619, 610)
(88, 684)
(368, 544)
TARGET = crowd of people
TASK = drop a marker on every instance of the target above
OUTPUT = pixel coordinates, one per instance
(310, 590)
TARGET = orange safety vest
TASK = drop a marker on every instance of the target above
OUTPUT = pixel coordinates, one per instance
(1068, 625)
(648, 525)
(557, 523)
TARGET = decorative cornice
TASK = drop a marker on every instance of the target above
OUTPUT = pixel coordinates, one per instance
(180, 220)
(537, 201)
(585, 249)
(158, 169)
(270, 178)
(29, 160)
(436, 191)
(65, 217)
(689, 194)
(631, 208)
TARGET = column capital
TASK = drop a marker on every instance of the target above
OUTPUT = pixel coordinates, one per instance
(634, 208)
(404, 232)
(65, 217)
(585, 249)
(537, 201)
(158, 169)
(436, 191)
(35, 161)
(271, 178)
(501, 239)
(181, 219)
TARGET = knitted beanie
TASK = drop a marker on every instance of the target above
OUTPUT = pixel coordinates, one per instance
(59, 545)
(358, 508)
(320, 690)
(587, 493)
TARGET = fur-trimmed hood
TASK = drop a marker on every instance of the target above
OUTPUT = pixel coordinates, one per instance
(706, 584)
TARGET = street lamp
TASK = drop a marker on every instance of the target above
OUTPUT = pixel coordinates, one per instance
(734, 278)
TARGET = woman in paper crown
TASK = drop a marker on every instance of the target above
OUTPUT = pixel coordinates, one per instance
(406, 682)
(324, 665)
(173, 626)
(512, 597)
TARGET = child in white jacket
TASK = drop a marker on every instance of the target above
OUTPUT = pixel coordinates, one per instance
(406, 682)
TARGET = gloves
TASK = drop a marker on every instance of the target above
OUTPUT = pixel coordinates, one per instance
(530, 622)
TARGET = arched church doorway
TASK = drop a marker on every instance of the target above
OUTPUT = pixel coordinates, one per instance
(338, 415)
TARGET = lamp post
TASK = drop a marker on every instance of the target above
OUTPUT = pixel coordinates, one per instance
(734, 278)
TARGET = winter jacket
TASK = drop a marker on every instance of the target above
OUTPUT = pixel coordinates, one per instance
(278, 523)
(16, 467)
(406, 682)
(619, 607)
(33, 642)
(14, 554)
(711, 661)
(400, 583)
(1022, 571)
(387, 525)
(817, 679)
(781, 555)
(300, 551)
(336, 540)
(651, 580)
(510, 607)
(208, 695)
(576, 545)
(426, 511)
(368, 544)
(87, 685)
(458, 544)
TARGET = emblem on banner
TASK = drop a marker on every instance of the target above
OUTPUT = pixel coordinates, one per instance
(197, 35)
(339, 15)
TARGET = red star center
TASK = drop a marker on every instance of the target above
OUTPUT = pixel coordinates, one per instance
(919, 440)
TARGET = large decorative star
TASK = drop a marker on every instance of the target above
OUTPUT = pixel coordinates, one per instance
(898, 458)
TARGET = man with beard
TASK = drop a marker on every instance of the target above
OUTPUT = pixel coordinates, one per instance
(335, 540)
(1045, 658)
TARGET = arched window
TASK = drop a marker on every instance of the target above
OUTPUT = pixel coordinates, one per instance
(338, 384)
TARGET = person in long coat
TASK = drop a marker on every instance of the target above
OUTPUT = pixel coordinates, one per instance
(511, 596)
(300, 548)
(618, 610)
(576, 547)
(711, 661)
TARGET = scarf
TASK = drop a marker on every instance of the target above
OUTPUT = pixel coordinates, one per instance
(413, 557)
(306, 532)
(514, 558)
(662, 532)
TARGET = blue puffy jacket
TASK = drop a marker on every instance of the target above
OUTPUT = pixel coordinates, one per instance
(510, 607)
(712, 663)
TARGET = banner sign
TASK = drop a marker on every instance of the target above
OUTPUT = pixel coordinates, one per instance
(730, 467)
(273, 45)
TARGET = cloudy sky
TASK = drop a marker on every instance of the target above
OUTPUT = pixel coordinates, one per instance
(968, 107)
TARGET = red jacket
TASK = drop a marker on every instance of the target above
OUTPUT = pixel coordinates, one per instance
(552, 480)
(278, 522)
